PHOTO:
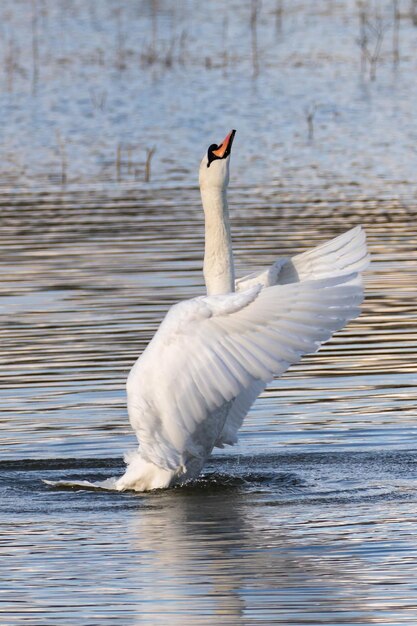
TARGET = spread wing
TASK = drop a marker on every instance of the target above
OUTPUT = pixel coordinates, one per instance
(343, 255)
(210, 350)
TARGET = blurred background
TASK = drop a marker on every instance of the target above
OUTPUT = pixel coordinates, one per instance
(321, 93)
(106, 109)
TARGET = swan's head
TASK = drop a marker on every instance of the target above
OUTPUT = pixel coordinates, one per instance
(214, 168)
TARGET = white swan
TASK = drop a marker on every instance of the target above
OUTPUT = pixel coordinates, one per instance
(212, 355)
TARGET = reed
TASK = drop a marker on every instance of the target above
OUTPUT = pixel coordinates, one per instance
(63, 157)
(413, 11)
(121, 54)
(396, 34)
(149, 155)
(119, 162)
(225, 51)
(35, 46)
(279, 15)
(11, 63)
(254, 14)
(309, 112)
(371, 34)
(98, 99)
(362, 40)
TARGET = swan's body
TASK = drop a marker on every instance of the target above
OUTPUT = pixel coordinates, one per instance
(212, 355)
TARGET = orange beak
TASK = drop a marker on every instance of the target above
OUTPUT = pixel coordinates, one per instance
(226, 145)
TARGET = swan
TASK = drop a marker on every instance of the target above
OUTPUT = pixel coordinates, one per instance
(213, 355)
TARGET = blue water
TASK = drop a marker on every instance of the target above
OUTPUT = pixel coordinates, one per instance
(311, 518)
(286, 538)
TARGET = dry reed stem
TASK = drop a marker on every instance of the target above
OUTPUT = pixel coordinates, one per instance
(149, 154)
(63, 157)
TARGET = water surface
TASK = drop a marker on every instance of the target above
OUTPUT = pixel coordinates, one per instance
(285, 538)
(311, 518)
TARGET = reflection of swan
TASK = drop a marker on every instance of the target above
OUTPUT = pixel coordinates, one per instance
(188, 544)
(236, 556)
(212, 355)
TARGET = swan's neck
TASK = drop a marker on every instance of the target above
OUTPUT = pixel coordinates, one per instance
(218, 255)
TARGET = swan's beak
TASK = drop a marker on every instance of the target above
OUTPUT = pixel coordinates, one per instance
(226, 146)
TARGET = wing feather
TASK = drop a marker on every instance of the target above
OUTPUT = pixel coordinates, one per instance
(212, 354)
(343, 255)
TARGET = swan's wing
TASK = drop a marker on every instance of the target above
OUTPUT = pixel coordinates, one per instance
(342, 255)
(266, 278)
(210, 349)
(237, 413)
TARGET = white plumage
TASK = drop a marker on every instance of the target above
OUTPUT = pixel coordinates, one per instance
(212, 355)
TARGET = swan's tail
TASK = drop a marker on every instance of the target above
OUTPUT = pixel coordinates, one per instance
(141, 475)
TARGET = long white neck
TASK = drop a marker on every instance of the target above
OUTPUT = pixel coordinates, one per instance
(219, 272)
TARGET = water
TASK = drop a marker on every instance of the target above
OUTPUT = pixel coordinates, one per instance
(311, 518)
(286, 538)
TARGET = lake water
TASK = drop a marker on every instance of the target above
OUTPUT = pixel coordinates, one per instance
(311, 519)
